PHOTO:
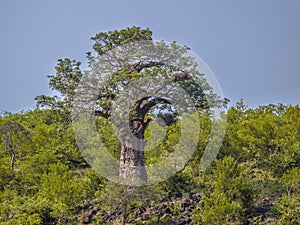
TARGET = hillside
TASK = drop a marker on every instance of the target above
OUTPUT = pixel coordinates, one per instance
(255, 179)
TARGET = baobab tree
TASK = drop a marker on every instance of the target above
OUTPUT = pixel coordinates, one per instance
(122, 60)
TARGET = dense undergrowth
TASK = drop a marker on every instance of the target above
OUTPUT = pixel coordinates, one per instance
(255, 178)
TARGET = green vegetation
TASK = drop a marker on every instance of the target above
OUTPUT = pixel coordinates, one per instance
(255, 178)
(44, 179)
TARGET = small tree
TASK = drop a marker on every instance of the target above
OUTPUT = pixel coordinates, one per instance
(230, 192)
(12, 134)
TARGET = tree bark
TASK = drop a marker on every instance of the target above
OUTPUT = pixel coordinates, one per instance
(132, 160)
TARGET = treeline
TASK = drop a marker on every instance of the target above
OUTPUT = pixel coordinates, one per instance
(255, 179)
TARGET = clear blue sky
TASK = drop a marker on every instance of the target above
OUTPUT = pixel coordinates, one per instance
(252, 46)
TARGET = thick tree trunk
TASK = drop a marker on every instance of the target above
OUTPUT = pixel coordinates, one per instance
(132, 161)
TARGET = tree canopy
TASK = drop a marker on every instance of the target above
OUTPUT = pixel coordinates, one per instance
(128, 63)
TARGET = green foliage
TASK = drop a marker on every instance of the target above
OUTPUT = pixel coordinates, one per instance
(268, 134)
(106, 41)
(288, 207)
(52, 184)
(108, 137)
(13, 134)
(66, 79)
(230, 191)
(60, 190)
(45, 180)
(291, 180)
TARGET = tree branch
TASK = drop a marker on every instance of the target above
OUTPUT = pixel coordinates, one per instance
(152, 103)
(107, 96)
(140, 65)
(102, 114)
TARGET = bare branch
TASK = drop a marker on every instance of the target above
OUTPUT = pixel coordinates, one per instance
(107, 96)
(153, 103)
(140, 65)
(102, 114)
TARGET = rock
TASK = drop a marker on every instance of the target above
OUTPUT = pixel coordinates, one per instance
(196, 197)
(185, 204)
